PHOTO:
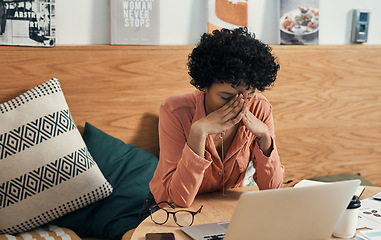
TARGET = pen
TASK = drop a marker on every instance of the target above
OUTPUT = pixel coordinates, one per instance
(361, 192)
(289, 181)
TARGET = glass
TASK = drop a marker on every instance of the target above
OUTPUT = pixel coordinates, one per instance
(181, 217)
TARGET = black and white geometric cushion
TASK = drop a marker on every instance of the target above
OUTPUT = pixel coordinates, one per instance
(46, 170)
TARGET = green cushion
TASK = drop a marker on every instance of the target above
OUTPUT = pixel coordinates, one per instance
(342, 177)
(129, 170)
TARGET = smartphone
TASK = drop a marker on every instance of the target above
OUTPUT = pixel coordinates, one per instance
(160, 236)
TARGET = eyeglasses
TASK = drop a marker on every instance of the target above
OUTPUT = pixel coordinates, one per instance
(181, 217)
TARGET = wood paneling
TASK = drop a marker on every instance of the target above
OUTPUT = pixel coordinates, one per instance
(327, 99)
(327, 110)
(117, 89)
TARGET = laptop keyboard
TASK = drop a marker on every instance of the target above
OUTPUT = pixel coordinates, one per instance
(213, 237)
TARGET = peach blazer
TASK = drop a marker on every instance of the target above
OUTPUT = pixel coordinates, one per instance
(181, 174)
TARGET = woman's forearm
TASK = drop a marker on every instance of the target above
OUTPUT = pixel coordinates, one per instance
(197, 139)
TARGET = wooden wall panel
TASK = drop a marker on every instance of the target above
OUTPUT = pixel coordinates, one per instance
(117, 89)
(327, 99)
(327, 110)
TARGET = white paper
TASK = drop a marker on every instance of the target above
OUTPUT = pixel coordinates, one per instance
(369, 235)
(369, 214)
(306, 183)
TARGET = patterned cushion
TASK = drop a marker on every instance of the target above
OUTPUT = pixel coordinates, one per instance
(46, 232)
(46, 169)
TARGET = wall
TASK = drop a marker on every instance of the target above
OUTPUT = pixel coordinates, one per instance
(86, 22)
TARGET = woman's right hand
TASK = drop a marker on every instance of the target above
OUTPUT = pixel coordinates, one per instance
(223, 118)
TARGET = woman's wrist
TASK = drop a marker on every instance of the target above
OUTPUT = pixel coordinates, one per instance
(197, 138)
(198, 131)
(265, 143)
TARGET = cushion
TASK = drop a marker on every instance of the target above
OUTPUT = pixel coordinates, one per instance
(46, 169)
(45, 232)
(129, 169)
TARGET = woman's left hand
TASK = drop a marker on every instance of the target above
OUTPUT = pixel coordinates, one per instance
(260, 130)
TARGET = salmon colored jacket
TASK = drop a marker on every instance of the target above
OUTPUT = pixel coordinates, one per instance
(181, 174)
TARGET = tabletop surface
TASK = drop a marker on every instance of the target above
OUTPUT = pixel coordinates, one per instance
(216, 208)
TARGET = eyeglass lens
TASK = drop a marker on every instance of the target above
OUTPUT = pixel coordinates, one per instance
(183, 218)
(160, 216)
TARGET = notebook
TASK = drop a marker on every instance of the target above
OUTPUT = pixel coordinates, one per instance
(299, 213)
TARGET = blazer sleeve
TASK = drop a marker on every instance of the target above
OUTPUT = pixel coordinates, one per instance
(269, 172)
(180, 171)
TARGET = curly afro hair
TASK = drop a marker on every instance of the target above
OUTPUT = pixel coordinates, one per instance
(232, 56)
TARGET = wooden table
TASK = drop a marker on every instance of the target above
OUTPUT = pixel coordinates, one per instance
(217, 208)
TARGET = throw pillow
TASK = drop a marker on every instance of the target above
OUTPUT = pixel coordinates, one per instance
(46, 171)
(129, 169)
(46, 232)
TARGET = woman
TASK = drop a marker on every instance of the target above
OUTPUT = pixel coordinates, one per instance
(207, 138)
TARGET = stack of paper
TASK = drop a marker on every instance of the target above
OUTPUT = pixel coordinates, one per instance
(369, 235)
(370, 213)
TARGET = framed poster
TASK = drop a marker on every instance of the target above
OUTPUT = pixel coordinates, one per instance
(135, 22)
(228, 14)
(27, 23)
(299, 22)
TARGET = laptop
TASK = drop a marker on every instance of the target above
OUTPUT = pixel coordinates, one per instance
(298, 213)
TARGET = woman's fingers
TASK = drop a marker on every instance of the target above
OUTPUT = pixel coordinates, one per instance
(235, 120)
(228, 115)
(233, 108)
(231, 102)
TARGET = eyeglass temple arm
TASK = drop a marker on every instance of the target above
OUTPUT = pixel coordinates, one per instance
(170, 204)
(199, 210)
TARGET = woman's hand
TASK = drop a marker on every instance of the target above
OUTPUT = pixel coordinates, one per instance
(260, 130)
(223, 118)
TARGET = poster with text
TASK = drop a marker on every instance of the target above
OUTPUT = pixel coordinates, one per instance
(228, 14)
(135, 22)
(299, 22)
(27, 23)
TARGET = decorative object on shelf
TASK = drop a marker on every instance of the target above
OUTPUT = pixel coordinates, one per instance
(27, 23)
(227, 14)
(299, 22)
(135, 22)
